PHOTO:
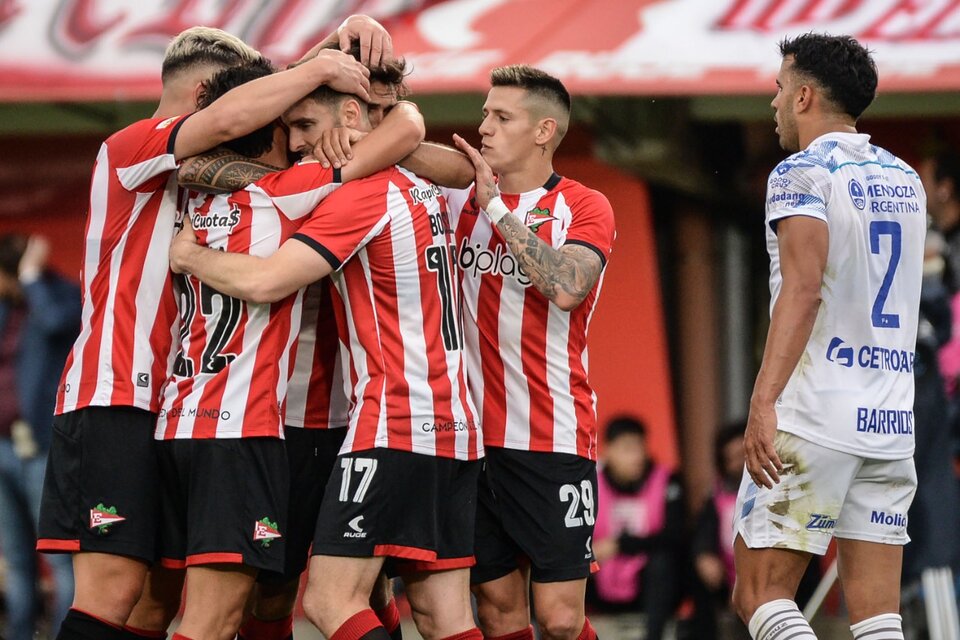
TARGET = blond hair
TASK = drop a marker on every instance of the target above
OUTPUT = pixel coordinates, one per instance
(205, 46)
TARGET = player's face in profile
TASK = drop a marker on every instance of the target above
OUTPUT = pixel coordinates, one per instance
(783, 107)
(306, 121)
(382, 97)
(508, 131)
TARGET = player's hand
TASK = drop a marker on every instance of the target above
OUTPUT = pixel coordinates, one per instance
(487, 188)
(376, 45)
(34, 258)
(763, 462)
(334, 147)
(183, 243)
(343, 73)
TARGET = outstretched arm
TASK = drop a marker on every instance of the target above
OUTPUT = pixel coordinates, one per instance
(223, 171)
(259, 102)
(441, 165)
(250, 278)
(564, 276)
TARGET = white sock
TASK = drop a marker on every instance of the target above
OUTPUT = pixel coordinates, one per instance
(886, 626)
(779, 620)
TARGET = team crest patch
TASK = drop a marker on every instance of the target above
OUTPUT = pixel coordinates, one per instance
(102, 518)
(166, 123)
(536, 217)
(265, 531)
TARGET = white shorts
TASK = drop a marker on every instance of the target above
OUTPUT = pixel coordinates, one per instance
(825, 493)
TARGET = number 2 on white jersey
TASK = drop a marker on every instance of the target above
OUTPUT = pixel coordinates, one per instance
(885, 228)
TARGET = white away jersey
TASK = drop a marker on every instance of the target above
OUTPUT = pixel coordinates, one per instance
(853, 387)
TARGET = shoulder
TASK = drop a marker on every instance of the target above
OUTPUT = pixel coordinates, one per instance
(578, 194)
(135, 131)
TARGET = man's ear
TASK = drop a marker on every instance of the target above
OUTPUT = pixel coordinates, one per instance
(198, 91)
(803, 99)
(351, 114)
(546, 130)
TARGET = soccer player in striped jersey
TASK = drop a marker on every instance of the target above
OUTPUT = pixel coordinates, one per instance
(405, 483)
(220, 419)
(829, 438)
(531, 247)
(105, 511)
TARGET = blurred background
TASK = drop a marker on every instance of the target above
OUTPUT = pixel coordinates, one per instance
(671, 121)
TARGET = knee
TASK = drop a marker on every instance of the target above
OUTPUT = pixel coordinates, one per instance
(560, 623)
(500, 616)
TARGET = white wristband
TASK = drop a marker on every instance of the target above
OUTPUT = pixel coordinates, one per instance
(496, 210)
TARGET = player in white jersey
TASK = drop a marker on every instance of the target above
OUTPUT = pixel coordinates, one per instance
(531, 267)
(829, 437)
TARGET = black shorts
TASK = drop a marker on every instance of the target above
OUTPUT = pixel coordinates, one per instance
(224, 502)
(101, 490)
(539, 507)
(417, 510)
(311, 454)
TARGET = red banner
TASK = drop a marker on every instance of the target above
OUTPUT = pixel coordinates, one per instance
(107, 49)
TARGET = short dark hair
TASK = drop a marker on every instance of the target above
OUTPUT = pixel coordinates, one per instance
(535, 81)
(255, 143)
(392, 72)
(842, 67)
(12, 246)
(623, 426)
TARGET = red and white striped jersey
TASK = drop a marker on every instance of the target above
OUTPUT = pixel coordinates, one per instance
(123, 352)
(316, 396)
(389, 239)
(230, 375)
(526, 357)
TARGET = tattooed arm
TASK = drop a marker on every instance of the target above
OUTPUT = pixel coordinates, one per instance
(564, 276)
(221, 171)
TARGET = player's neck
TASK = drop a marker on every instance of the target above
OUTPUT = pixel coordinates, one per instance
(822, 127)
(526, 179)
(173, 104)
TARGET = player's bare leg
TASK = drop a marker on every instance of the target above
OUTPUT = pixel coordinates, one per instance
(440, 602)
(107, 586)
(870, 578)
(338, 589)
(216, 595)
(558, 608)
(503, 605)
(767, 580)
(159, 602)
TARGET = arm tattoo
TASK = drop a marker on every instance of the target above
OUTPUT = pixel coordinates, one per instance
(221, 171)
(572, 270)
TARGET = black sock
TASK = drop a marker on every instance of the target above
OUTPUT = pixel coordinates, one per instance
(78, 625)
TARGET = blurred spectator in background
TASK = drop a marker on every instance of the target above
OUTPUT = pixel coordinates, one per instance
(933, 521)
(639, 530)
(940, 174)
(39, 320)
(712, 542)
